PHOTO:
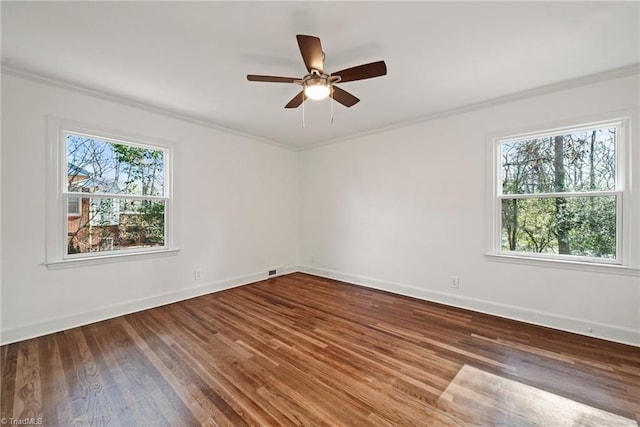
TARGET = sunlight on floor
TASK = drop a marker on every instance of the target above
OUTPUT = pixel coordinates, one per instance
(487, 399)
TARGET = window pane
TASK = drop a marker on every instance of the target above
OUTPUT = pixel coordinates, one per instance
(574, 162)
(581, 226)
(74, 206)
(97, 166)
(113, 224)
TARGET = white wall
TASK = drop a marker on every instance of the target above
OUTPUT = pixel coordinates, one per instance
(236, 214)
(403, 210)
(399, 210)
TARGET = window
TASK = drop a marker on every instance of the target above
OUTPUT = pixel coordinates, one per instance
(559, 194)
(108, 195)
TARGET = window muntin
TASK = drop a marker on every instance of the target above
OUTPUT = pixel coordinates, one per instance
(559, 194)
(124, 187)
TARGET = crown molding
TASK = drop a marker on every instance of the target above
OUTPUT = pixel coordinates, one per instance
(51, 81)
(613, 74)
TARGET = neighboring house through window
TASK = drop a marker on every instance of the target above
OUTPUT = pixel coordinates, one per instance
(75, 206)
(76, 175)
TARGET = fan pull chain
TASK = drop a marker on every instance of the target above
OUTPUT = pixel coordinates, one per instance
(303, 109)
(331, 106)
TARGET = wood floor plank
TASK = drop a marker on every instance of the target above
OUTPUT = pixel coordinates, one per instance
(28, 385)
(303, 350)
(164, 399)
(9, 369)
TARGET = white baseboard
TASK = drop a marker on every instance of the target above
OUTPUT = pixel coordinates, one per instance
(578, 326)
(79, 319)
(563, 323)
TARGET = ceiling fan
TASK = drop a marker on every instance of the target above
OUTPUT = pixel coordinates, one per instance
(318, 85)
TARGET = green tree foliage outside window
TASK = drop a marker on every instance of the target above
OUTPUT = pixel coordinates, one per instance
(121, 188)
(558, 193)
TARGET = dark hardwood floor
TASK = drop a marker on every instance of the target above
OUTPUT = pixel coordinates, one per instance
(303, 350)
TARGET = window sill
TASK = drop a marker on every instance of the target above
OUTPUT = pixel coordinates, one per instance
(566, 265)
(106, 259)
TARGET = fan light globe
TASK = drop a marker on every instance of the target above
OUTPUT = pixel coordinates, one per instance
(317, 91)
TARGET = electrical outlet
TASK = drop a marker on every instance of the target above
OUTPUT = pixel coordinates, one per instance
(313, 259)
(197, 274)
(454, 282)
(272, 272)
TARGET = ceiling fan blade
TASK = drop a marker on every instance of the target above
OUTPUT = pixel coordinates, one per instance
(344, 97)
(272, 79)
(311, 51)
(297, 100)
(365, 71)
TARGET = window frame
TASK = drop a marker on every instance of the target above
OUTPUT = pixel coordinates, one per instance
(626, 252)
(58, 195)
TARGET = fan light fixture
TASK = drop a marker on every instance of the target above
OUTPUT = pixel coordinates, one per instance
(317, 89)
(317, 84)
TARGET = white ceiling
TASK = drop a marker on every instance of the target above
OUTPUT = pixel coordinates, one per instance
(192, 58)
